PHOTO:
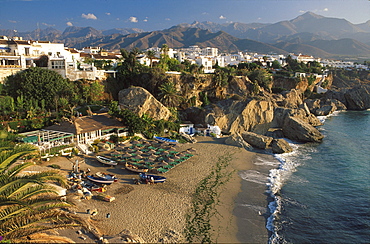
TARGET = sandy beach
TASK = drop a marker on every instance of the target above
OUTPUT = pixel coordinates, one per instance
(156, 213)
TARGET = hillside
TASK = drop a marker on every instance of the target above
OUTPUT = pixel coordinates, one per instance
(308, 33)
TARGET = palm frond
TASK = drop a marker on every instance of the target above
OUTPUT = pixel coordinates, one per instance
(22, 226)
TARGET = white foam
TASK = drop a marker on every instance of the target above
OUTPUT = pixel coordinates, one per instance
(253, 176)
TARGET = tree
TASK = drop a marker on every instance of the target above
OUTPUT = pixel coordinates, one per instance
(151, 55)
(262, 77)
(168, 94)
(276, 64)
(36, 84)
(29, 205)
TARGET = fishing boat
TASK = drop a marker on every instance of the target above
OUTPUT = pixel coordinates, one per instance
(106, 161)
(152, 178)
(165, 139)
(102, 178)
(136, 169)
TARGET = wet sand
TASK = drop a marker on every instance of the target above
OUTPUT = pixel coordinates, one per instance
(156, 213)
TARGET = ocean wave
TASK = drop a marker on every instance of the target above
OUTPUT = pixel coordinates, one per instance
(288, 163)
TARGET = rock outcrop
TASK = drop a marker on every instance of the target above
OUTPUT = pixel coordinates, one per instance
(292, 99)
(303, 114)
(237, 140)
(256, 140)
(323, 107)
(140, 101)
(299, 130)
(239, 116)
(280, 146)
(356, 98)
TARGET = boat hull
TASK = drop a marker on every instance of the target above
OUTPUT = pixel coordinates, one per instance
(106, 161)
(156, 178)
(136, 170)
(100, 180)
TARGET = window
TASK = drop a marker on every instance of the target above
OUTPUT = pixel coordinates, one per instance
(57, 64)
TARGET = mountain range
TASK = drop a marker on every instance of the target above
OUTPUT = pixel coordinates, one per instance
(308, 33)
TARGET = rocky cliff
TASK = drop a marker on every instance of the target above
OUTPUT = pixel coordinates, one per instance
(237, 109)
(356, 98)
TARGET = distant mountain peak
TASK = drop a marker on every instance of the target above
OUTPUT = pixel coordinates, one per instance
(306, 16)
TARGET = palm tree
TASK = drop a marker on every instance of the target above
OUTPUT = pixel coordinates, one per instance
(151, 55)
(168, 94)
(28, 203)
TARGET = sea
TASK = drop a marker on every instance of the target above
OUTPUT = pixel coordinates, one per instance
(320, 192)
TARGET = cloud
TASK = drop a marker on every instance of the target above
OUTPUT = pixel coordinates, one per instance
(146, 19)
(89, 16)
(222, 17)
(167, 19)
(302, 11)
(69, 23)
(133, 19)
(205, 13)
(107, 13)
(47, 24)
(13, 21)
(326, 10)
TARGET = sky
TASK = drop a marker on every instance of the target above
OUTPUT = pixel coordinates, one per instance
(149, 15)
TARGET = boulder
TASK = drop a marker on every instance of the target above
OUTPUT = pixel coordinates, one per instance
(275, 133)
(257, 140)
(140, 101)
(299, 130)
(237, 140)
(280, 146)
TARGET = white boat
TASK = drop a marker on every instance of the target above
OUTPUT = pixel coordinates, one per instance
(102, 178)
(106, 161)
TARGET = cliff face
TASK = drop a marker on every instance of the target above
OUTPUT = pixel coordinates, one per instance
(239, 116)
(356, 98)
(237, 108)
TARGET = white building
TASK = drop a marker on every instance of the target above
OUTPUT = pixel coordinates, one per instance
(17, 54)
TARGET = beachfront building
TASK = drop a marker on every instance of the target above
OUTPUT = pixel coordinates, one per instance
(87, 129)
(46, 139)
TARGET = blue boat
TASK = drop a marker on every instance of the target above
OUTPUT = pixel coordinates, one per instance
(164, 139)
(152, 178)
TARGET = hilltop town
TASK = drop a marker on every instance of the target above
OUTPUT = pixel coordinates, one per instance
(17, 54)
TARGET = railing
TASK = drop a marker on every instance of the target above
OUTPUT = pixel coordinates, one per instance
(10, 66)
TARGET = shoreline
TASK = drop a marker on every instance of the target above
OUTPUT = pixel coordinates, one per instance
(156, 213)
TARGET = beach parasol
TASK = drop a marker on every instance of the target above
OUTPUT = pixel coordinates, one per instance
(163, 163)
(126, 155)
(138, 157)
(151, 160)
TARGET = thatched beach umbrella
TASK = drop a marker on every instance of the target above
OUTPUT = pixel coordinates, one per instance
(162, 163)
(138, 157)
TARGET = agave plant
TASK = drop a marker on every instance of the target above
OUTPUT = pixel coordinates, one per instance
(29, 204)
